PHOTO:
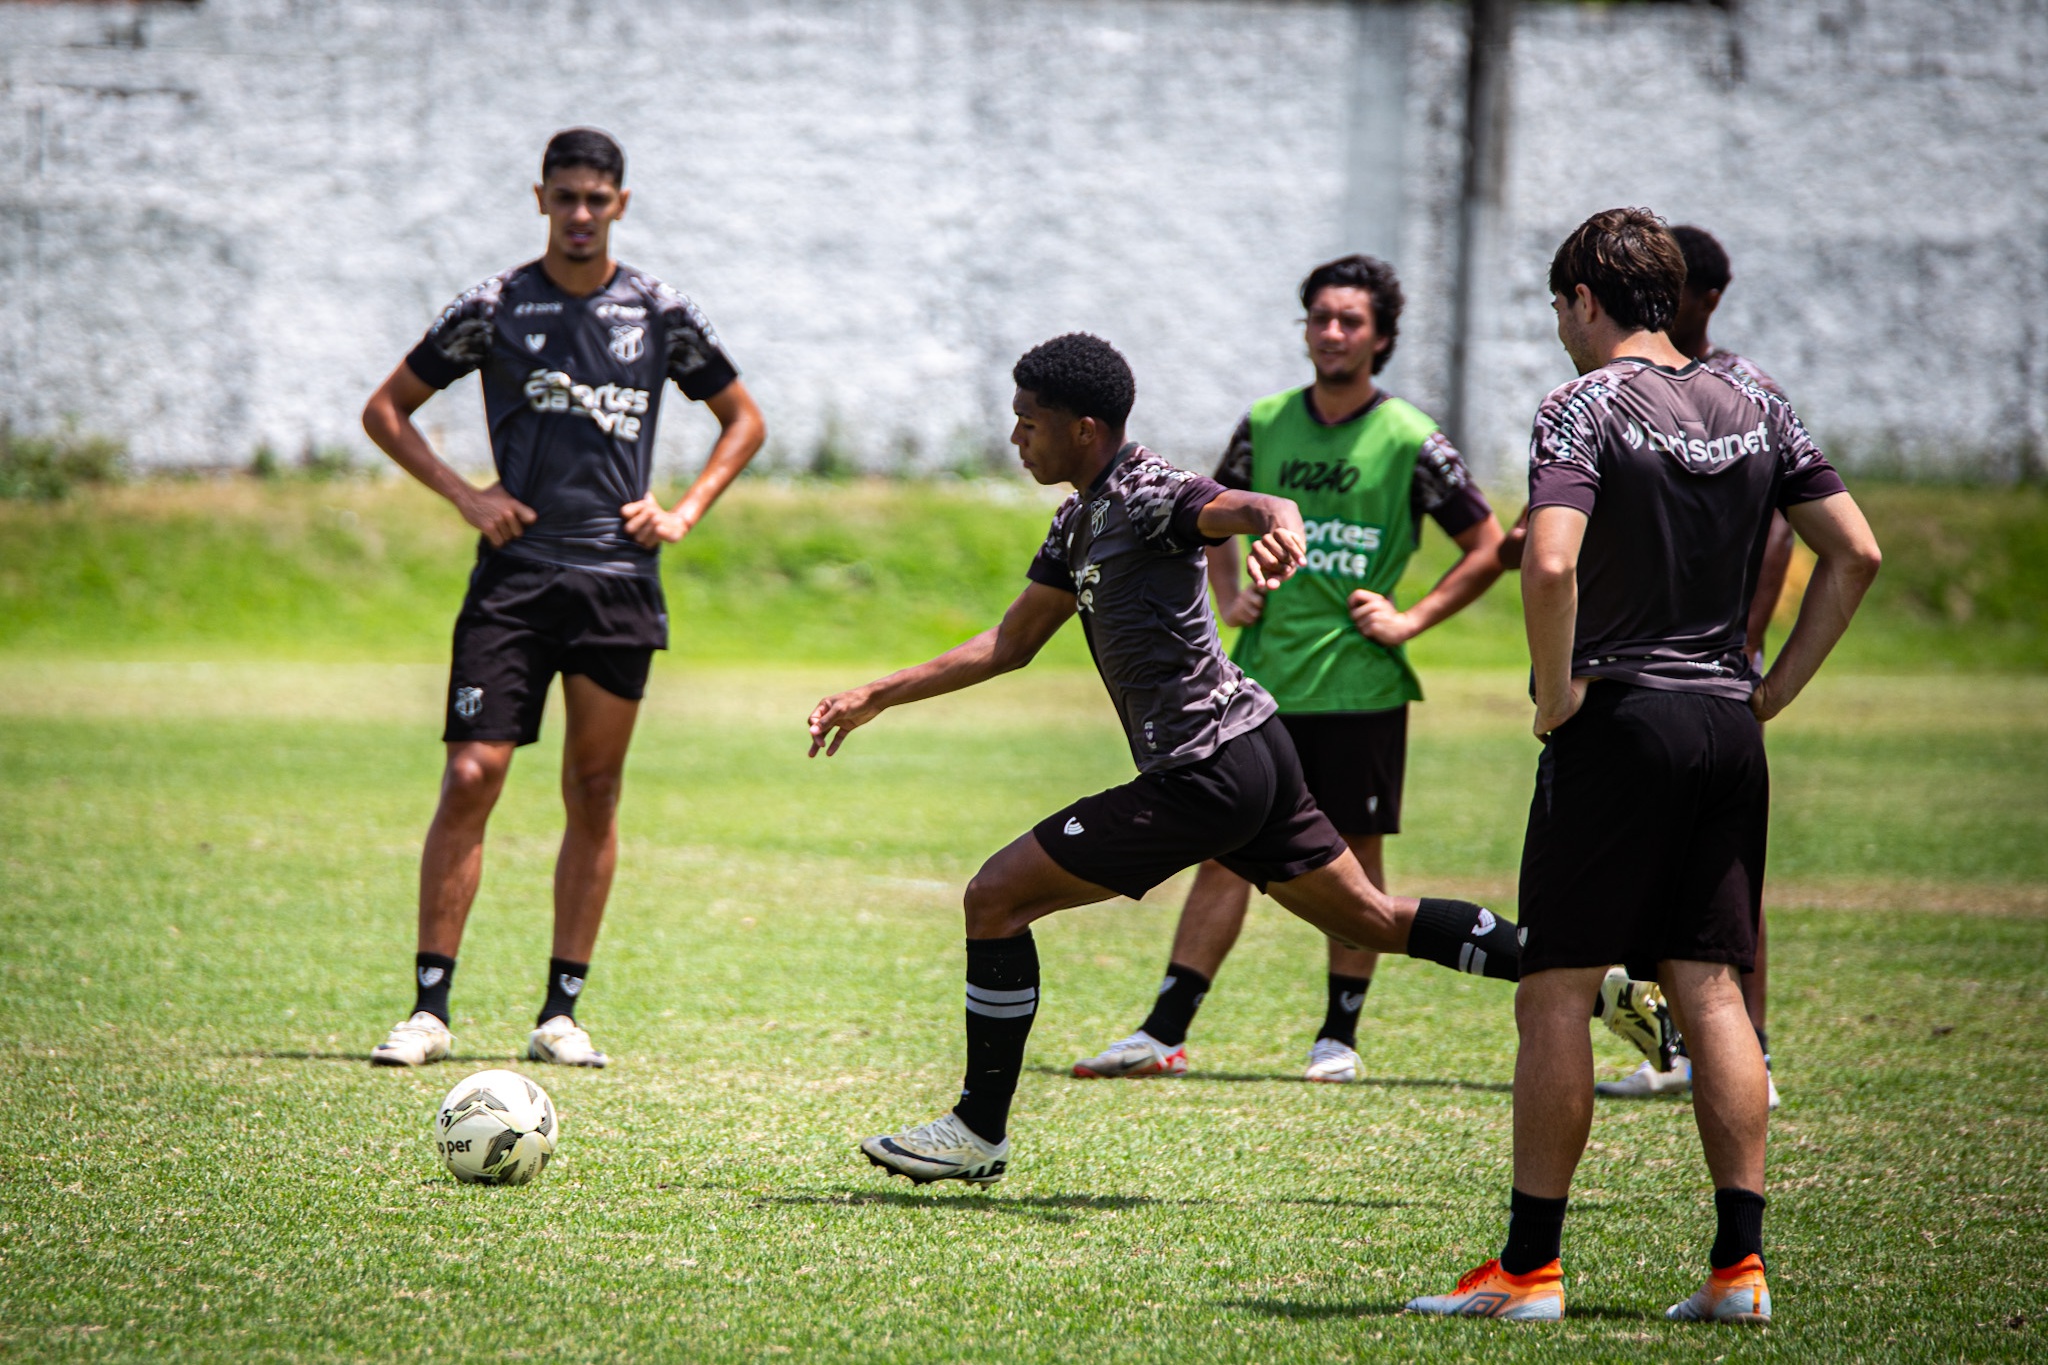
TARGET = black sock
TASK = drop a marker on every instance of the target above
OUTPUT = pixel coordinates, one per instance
(1340, 1017)
(1739, 1231)
(565, 983)
(1002, 998)
(1173, 1013)
(1535, 1233)
(1763, 1042)
(433, 972)
(1466, 938)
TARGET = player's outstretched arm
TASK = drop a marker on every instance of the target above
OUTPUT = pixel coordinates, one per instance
(741, 432)
(387, 418)
(1462, 584)
(1027, 625)
(1280, 542)
(1846, 560)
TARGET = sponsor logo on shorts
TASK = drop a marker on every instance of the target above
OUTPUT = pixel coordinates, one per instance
(468, 702)
(430, 977)
(1073, 826)
(536, 340)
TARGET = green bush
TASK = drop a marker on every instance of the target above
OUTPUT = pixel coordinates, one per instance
(47, 468)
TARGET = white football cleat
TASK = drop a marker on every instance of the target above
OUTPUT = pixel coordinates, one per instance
(1138, 1055)
(417, 1041)
(561, 1040)
(944, 1149)
(1637, 1012)
(1646, 1081)
(1332, 1062)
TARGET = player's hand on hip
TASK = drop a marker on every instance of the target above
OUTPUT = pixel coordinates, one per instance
(501, 517)
(844, 712)
(1276, 555)
(1379, 620)
(1567, 706)
(651, 524)
(1246, 606)
(1763, 703)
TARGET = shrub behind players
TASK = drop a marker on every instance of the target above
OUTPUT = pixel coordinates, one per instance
(1652, 480)
(1217, 774)
(574, 350)
(1364, 467)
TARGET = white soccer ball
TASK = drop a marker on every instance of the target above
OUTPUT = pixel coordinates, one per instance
(496, 1128)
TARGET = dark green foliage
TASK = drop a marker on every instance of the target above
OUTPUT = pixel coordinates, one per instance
(48, 468)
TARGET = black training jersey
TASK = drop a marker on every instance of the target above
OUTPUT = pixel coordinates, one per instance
(572, 388)
(1677, 472)
(1128, 548)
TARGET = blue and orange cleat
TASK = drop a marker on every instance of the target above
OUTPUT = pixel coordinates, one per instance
(1737, 1294)
(1490, 1292)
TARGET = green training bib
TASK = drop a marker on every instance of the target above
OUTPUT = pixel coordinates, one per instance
(1351, 482)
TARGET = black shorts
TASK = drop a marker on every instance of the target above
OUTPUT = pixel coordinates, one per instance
(1647, 834)
(1354, 762)
(1245, 806)
(524, 621)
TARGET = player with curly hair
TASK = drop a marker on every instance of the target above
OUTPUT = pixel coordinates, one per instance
(1218, 777)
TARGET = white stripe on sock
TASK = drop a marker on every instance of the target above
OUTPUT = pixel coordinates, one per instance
(1002, 1011)
(989, 997)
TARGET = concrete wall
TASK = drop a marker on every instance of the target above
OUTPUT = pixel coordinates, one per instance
(221, 223)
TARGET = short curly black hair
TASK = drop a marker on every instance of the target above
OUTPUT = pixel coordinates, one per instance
(1081, 374)
(1376, 278)
(1630, 262)
(592, 147)
(1706, 264)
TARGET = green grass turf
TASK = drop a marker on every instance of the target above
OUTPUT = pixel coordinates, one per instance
(862, 571)
(205, 923)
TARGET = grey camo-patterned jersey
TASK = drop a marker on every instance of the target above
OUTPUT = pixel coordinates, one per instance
(1678, 472)
(572, 390)
(1128, 548)
(1721, 360)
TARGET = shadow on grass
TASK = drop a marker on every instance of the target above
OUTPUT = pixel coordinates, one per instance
(360, 1058)
(1050, 1208)
(1287, 1308)
(1295, 1078)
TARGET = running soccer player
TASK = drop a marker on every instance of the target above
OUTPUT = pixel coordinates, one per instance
(1652, 479)
(1706, 277)
(1328, 646)
(1217, 777)
(573, 349)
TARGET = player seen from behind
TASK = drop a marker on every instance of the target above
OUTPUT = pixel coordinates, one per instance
(1217, 775)
(1652, 481)
(574, 350)
(1364, 467)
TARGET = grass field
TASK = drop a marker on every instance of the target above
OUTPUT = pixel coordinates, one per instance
(205, 923)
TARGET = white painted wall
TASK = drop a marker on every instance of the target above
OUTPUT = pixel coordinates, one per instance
(222, 223)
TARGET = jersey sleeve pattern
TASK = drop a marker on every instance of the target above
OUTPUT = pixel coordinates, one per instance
(1564, 449)
(1049, 566)
(697, 360)
(1741, 367)
(1165, 503)
(1806, 476)
(1443, 488)
(460, 339)
(1234, 470)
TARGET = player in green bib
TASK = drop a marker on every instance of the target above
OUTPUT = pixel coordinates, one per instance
(1364, 467)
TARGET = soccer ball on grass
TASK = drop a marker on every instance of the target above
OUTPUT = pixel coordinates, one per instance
(496, 1128)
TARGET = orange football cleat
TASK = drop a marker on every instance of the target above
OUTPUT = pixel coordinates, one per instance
(1490, 1292)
